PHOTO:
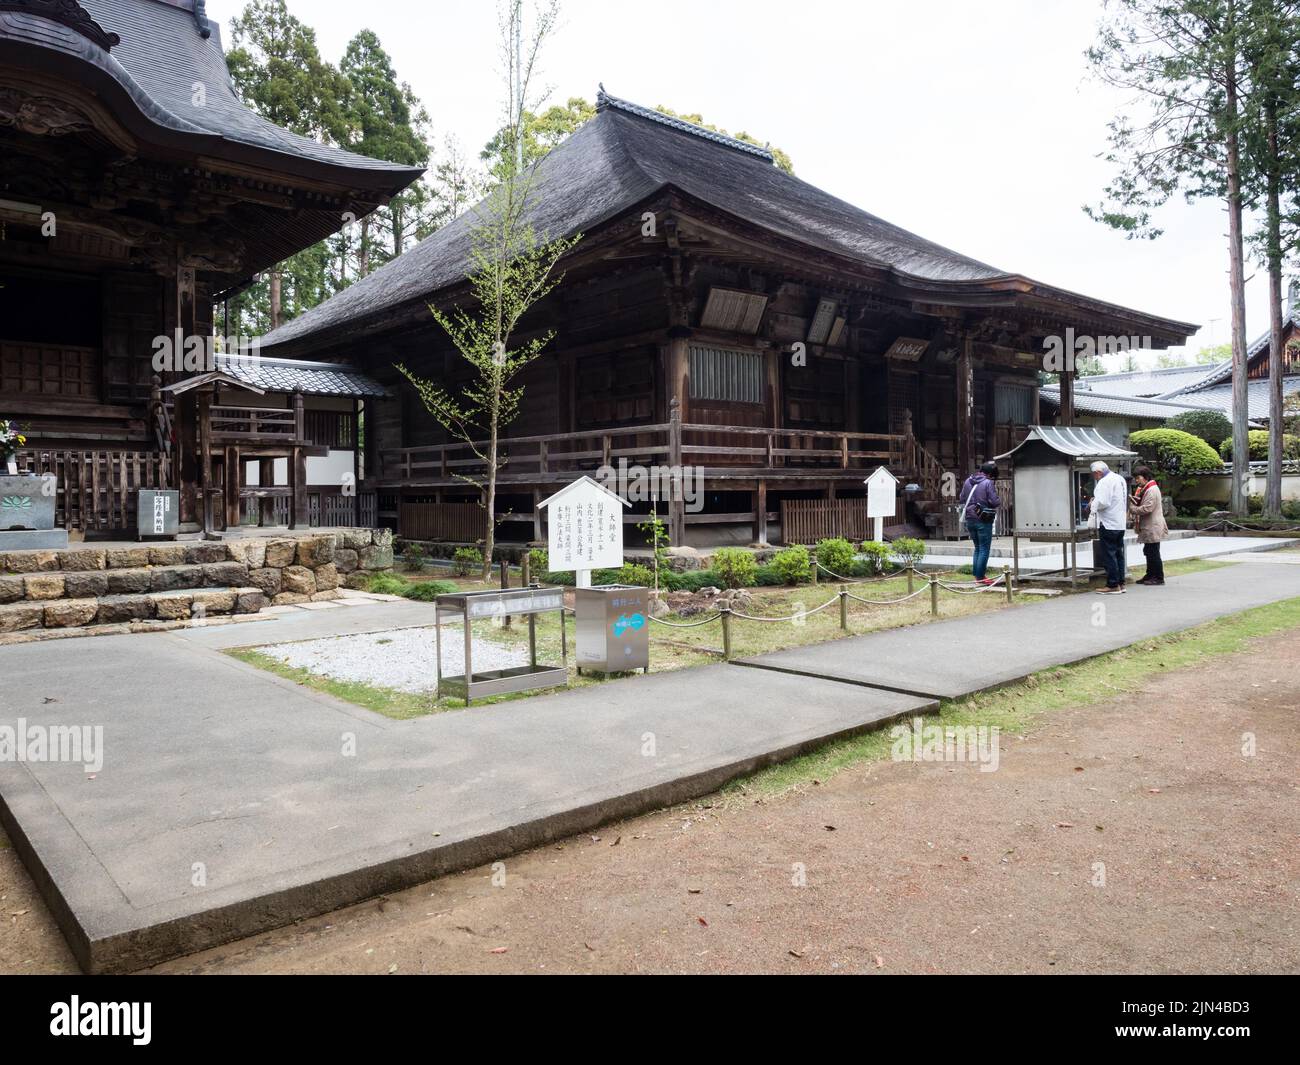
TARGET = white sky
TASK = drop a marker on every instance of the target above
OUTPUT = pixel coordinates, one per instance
(975, 125)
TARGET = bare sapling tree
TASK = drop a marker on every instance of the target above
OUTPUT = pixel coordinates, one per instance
(512, 268)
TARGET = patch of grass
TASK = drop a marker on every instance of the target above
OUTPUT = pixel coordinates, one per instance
(1016, 707)
(1184, 566)
(399, 705)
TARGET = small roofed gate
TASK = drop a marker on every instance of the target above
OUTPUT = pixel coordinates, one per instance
(805, 521)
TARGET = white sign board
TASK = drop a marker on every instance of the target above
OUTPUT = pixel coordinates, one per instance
(882, 494)
(584, 528)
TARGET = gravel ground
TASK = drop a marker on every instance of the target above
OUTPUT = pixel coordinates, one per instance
(402, 659)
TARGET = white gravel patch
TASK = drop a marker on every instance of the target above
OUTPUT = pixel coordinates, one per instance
(402, 659)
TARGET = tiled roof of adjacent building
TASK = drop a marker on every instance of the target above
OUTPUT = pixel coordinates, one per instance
(1148, 384)
(294, 375)
(1116, 406)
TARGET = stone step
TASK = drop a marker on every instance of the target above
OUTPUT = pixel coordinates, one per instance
(172, 605)
(93, 584)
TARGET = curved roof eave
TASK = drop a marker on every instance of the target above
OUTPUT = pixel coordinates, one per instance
(51, 48)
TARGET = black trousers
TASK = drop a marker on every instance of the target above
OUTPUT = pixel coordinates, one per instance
(1155, 565)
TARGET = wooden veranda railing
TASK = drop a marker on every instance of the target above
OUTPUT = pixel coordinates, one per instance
(96, 490)
(672, 443)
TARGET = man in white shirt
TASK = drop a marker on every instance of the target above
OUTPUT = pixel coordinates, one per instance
(1110, 506)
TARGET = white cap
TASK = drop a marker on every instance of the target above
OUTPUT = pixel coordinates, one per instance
(1100, 467)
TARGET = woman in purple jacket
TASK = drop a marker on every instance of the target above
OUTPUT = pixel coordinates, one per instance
(980, 496)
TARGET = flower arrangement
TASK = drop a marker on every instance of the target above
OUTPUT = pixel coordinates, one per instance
(10, 441)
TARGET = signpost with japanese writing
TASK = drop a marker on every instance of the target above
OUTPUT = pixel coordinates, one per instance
(882, 500)
(584, 529)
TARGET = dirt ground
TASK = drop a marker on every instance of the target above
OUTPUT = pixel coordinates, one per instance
(908, 867)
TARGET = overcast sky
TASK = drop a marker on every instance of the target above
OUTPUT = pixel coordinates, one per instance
(974, 124)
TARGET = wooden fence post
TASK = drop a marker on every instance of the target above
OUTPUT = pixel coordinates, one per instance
(934, 597)
(726, 634)
(844, 609)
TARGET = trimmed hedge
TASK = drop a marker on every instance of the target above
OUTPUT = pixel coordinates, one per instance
(1169, 446)
(1212, 426)
(1258, 439)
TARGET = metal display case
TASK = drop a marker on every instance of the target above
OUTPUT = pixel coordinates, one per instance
(613, 628)
(468, 607)
(1051, 468)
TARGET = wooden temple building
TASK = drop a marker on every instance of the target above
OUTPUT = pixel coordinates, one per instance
(721, 314)
(136, 193)
(718, 314)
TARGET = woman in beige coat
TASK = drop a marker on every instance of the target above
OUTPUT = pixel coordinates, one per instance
(1146, 508)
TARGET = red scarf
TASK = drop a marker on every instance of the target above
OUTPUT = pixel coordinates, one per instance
(1143, 489)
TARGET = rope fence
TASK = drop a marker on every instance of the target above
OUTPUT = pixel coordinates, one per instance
(843, 597)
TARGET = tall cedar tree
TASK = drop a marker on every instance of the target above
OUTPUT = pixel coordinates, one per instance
(1184, 60)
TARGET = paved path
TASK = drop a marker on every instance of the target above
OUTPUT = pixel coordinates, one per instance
(1171, 550)
(971, 654)
(231, 800)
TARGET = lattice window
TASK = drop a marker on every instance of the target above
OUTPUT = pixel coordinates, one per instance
(726, 376)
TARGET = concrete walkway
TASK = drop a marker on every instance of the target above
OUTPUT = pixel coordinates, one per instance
(955, 658)
(1051, 559)
(231, 801)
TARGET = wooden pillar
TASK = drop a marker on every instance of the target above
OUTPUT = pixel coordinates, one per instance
(234, 470)
(356, 463)
(203, 405)
(965, 405)
(265, 479)
(1067, 398)
(179, 323)
(298, 516)
(760, 513)
(676, 505)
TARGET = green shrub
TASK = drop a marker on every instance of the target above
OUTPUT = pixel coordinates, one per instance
(1291, 510)
(768, 576)
(388, 584)
(793, 564)
(1258, 439)
(1212, 426)
(836, 555)
(413, 558)
(908, 551)
(877, 560)
(1171, 449)
(635, 573)
(428, 591)
(467, 560)
(690, 581)
(735, 567)
(539, 562)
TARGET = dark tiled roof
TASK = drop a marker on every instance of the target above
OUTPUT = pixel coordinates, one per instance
(1116, 406)
(161, 55)
(625, 155)
(1150, 384)
(309, 378)
(1224, 370)
(1219, 396)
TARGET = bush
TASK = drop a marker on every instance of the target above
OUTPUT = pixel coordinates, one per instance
(467, 560)
(1212, 426)
(836, 555)
(877, 559)
(793, 565)
(690, 581)
(908, 551)
(539, 562)
(1258, 439)
(735, 567)
(635, 573)
(1171, 449)
(413, 558)
(428, 591)
(768, 576)
(388, 584)
(1291, 510)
